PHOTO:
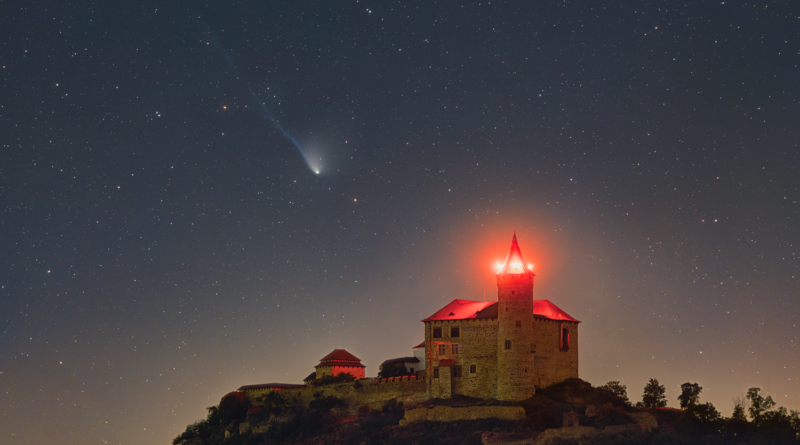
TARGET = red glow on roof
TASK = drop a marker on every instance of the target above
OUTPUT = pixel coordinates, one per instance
(340, 355)
(421, 345)
(460, 310)
(514, 263)
(466, 310)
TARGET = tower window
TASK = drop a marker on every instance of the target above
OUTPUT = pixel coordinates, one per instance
(564, 339)
(473, 369)
(519, 324)
(454, 349)
(508, 344)
(442, 349)
(455, 332)
(437, 332)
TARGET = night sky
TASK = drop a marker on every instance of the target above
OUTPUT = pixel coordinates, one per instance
(166, 239)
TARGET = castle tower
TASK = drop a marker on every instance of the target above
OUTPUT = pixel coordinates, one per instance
(515, 373)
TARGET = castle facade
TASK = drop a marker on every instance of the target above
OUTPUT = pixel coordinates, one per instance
(500, 349)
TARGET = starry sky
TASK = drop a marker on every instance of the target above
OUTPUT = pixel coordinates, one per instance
(166, 237)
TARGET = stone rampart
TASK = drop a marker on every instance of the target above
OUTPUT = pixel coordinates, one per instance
(449, 413)
(355, 394)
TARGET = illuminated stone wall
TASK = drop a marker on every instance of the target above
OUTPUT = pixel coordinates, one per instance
(356, 394)
(553, 365)
(515, 363)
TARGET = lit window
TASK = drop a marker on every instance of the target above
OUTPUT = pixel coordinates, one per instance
(454, 332)
(454, 348)
(473, 369)
(456, 371)
(442, 349)
(508, 344)
(437, 332)
(519, 324)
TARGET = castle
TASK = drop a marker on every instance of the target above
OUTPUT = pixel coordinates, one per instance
(501, 349)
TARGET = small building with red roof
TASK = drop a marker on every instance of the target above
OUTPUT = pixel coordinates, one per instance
(338, 362)
(501, 349)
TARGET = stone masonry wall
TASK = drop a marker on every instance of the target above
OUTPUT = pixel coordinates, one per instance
(477, 344)
(353, 396)
(551, 364)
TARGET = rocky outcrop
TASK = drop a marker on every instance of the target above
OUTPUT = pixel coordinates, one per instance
(568, 433)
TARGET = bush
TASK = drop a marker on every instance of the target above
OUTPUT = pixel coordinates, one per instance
(233, 407)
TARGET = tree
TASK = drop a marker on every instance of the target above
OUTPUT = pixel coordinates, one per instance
(739, 408)
(233, 406)
(758, 404)
(690, 395)
(653, 396)
(392, 370)
(618, 390)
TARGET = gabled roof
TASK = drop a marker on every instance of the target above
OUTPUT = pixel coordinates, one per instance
(421, 345)
(271, 386)
(392, 361)
(546, 309)
(463, 310)
(339, 355)
(467, 310)
(345, 363)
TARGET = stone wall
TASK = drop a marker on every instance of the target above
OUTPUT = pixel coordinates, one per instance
(356, 394)
(553, 365)
(449, 413)
(515, 363)
(477, 343)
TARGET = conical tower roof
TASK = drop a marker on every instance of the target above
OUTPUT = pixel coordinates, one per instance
(514, 263)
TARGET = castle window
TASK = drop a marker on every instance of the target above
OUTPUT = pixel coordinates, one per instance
(519, 324)
(533, 347)
(508, 344)
(473, 369)
(456, 371)
(437, 332)
(454, 332)
(436, 373)
(454, 349)
(442, 349)
(564, 339)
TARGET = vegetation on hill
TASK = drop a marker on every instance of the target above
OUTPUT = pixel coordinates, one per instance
(754, 421)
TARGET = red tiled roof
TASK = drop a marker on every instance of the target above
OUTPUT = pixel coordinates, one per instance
(271, 385)
(467, 310)
(421, 345)
(446, 362)
(340, 354)
(461, 310)
(549, 310)
(340, 363)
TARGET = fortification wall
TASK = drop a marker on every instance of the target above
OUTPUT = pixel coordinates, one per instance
(355, 394)
(553, 365)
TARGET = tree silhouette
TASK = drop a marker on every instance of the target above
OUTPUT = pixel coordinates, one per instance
(758, 404)
(618, 390)
(653, 396)
(690, 395)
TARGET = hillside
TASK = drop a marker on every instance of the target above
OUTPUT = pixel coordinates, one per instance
(602, 416)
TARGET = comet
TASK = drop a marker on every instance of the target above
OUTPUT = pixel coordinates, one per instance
(313, 164)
